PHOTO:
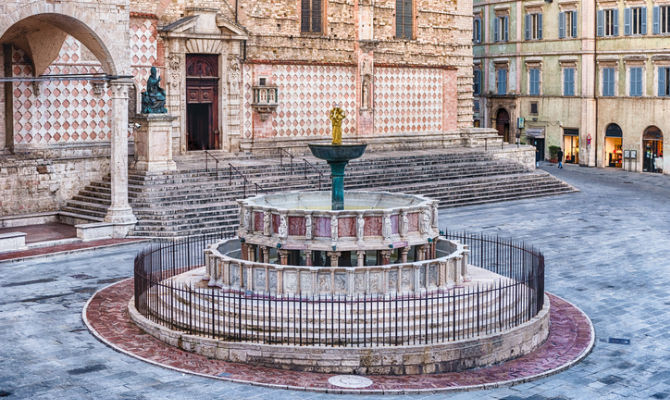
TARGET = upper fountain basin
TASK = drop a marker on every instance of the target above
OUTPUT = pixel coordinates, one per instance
(337, 153)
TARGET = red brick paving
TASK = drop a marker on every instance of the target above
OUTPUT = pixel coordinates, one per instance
(63, 248)
(569, 339)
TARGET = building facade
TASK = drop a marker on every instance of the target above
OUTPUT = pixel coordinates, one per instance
(590, 77)
(239, 76)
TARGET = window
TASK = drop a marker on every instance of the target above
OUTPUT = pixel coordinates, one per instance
(568, 81)
(533, 26)
(403, 19)
(501, 29)
(501, 84)
(533, 107)
(635, 81)
(664, 81)
(608, 81)
(567, 24)
(477, 30)
(661, 20)
(475, 106)
(310, 16)
(635, 21)
(477, 86)
(534, 81)
(608, 22)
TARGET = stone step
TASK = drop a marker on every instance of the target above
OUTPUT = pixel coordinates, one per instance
(188, 201)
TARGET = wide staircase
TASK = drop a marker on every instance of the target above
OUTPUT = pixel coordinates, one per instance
(196, 200)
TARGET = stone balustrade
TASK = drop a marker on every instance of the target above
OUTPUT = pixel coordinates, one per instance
(370, 221)
(227, 271)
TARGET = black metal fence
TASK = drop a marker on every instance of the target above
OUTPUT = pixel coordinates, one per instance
(468, 311)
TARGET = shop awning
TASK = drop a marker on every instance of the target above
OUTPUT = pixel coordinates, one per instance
(535, 133)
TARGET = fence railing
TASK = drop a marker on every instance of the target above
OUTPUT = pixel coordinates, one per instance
(513, 297)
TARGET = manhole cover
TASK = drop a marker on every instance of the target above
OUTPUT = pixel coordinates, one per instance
(350, 381)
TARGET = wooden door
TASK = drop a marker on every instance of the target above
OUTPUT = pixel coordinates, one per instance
(202, 111)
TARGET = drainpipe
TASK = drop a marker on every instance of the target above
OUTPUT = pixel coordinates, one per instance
(595, 79)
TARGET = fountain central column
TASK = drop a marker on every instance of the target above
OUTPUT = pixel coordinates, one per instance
(337, 184)
(338, 157)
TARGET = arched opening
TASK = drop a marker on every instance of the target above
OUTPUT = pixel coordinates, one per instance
(57, 99)
(652, 150)
(502, 124)
(613, 144)
(42, 35)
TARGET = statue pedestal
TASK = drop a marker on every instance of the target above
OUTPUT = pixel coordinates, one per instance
(153, 143)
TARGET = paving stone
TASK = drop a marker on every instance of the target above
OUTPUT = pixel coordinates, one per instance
(609, 234)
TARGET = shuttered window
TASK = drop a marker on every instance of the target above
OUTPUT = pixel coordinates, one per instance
(608, 81)
(477, 30)
(311, 16)
(635, 21)
(636, 81)
(403, 19)
(533, 28)
(502, 81)
(534, 81)
(607, 22)
(664, 81)
(661, 23)
(567, 24)
(501, 29)
(568, 81)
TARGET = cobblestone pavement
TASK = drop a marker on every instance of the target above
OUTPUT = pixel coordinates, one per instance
(607, 250)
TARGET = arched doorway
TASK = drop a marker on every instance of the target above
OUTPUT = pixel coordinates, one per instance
(652, 150)
(613, 144)
(502, 124)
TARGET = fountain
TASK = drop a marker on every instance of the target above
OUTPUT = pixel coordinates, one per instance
(367, 286)
(338, 156)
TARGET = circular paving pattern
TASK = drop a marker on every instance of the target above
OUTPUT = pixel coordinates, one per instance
(571, 338)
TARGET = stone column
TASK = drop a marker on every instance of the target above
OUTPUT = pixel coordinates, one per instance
(119, 212)
(251, 253)
(266, 254)
(308, 258)
(421, 253)
(283, 257)
(334, 258)
(244, 252)
(386, 257)
(403, 254)
(361, 258)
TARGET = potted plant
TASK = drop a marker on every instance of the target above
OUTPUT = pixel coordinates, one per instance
(553, 153)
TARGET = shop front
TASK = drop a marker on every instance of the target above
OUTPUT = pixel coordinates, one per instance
(535, 137)
(571, 145)
(652, 150)
(613, 144)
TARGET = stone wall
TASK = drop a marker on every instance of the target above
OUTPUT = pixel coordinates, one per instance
(398, 360)
(29, 185)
